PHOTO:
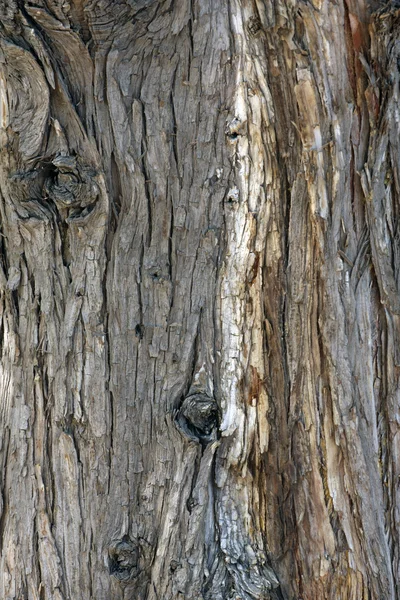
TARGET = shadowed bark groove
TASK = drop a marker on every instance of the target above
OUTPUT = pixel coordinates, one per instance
(199, 300)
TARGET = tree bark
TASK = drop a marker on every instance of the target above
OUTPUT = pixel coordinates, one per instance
(199, 300)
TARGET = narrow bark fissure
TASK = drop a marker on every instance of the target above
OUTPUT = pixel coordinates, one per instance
(47, 459)
(171, 260)
(3, 491)
(174, 133)
(116, 196)
(147, 181)
(2, 333)
(141, 325)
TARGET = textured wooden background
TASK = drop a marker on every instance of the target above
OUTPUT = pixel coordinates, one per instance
(199, 300)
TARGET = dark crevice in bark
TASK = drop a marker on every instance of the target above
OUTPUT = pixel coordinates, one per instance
(115, 191)
(47, 460)
(171, 260)
(42, 590)
(191, 42)
(190, 502)
(15, 303)
(194, 358)
(353, 176)
(79, 21)
(65, 253)
(141, 324)
(285, 282)
(147, 180)
(112, 434)
(283, 330)
(174, 133)
(1, 333)
(3, 487)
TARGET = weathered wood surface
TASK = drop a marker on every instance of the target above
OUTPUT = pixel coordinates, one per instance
(199, 309)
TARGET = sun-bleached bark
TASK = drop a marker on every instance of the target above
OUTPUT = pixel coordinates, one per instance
(199, 300)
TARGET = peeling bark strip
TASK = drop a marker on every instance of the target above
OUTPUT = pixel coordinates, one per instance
(199, 300)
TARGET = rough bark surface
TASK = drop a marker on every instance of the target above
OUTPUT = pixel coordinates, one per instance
(199, 300)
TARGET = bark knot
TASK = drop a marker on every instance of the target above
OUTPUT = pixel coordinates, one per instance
(198, 418)
(64, 183)
(124, 559)
(71, 185)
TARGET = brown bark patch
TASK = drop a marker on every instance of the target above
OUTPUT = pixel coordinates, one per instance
(254, 269)
(255, 385)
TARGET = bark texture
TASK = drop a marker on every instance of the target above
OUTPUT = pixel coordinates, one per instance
(199, 300)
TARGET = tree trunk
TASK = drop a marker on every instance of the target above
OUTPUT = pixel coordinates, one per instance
(199, 300)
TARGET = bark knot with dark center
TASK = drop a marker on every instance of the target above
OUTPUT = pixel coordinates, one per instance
(198, 418)
(72, 186)
(124, 559)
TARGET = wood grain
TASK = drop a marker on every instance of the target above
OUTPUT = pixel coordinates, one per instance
(199, 300)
